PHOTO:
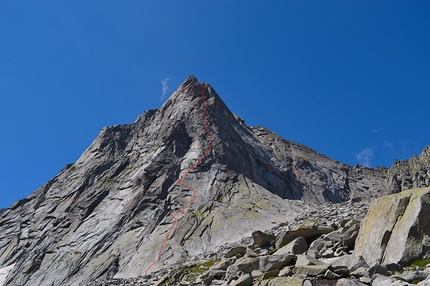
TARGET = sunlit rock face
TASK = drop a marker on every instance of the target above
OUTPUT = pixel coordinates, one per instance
(107, 214)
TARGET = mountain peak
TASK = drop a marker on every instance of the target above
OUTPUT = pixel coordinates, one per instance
(107, 215)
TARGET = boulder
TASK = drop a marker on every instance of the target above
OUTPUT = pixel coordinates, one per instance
(350, 233)
(247, 265)
(244, 280)
(262, 239)
(304, 260)
(274, 262)
(238, 250)
(349, 282)
(381, 280)
(311, 270)
(410, 276)
(396, 229)
(297, 246)
(318, 247)
(308, 230)
(378, 269)
(282, 281)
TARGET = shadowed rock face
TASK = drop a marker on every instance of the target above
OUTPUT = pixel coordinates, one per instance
(107, 214)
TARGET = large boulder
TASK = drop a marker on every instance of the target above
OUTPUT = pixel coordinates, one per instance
(396, 229)
(309, 230)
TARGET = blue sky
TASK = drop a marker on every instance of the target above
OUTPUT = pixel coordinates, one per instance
(350, 79)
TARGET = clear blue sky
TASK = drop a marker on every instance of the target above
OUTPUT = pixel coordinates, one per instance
(350, 79)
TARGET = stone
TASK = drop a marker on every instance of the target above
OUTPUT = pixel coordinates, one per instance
(349, 282)
(342, 271)
(395, 228)
(333, 236)
(232, 273)
(262, 239)
(282, 281)
(304, 260)
(357, 261)
(381, 280)
(331, 275)
(297, 246)
(247, 265)
(318, 247)
(360, 272)
(274, 262)
(311, 270)
(412, 276)
(308, 230)
(349, 236)
(286, 271)
(256, 273)
(322, 282)
(378, 269)
(244, 280)
(328, 253)
(251, 252)
(238, 250)
(270, 274)
(222, 265)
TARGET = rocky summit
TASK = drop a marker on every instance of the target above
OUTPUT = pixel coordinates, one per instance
(268, 211)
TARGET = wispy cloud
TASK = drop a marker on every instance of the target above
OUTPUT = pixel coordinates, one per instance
(165, 88)
(389, 145)
(365, 157)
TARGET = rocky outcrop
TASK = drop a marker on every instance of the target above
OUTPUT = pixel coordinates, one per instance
(396, 229)
(106, 215)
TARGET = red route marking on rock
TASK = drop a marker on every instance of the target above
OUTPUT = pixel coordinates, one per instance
(187, 204)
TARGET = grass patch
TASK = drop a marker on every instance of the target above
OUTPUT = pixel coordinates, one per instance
(187, 273)
(195, 270)
(420, 263)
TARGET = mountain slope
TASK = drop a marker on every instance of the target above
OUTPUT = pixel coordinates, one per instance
(107, 214)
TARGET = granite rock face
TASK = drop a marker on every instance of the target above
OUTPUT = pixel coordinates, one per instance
(106, 215)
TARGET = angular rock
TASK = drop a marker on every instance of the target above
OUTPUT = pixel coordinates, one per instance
(241, 250)
(381, 280)
(311, 270)
(349, 282)
(357, 261)
(232, 273)
(318, 246)
(282, 281)
(262, 239)
(247, 265)
(331, 275)
(350, 235)
(222, 265)
(304, 260)
(396, 229)
(378, 269)
(308, 231)
(270, 274)
(413, 276)
(244, 280)
(297, 246)
(274, 262)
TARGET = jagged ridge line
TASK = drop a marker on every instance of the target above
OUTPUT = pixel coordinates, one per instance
(187, 204)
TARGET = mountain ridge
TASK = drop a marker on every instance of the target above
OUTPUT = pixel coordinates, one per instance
(105, 215)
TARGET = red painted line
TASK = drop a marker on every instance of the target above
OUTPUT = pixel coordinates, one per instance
(187, 204)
